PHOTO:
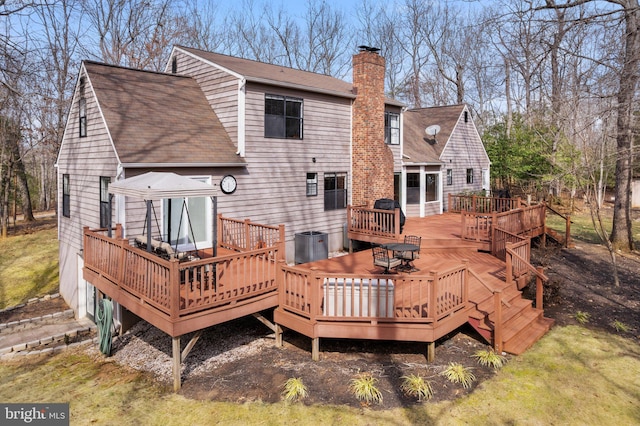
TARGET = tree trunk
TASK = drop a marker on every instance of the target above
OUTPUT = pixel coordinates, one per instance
(23, 184)
(621, 234)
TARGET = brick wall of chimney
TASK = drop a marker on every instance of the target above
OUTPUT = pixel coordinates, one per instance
(372, 160)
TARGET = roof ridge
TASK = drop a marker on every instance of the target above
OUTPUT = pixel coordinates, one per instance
(103, 64)
(260, 62)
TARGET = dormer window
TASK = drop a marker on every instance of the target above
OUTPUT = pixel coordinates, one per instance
(391, 128)
(282, 117)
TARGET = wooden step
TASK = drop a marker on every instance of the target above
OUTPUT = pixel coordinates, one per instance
(524, 340)
(518, 324)
(517, 308)
(508, 295)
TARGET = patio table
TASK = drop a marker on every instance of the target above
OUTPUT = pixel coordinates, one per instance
(398, 247)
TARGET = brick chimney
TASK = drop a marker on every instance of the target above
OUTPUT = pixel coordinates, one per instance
(372, 160)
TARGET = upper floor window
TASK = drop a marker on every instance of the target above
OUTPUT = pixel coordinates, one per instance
(449, 176)
(469, 176)
(82, 110)
(335, 191)
(391, 128)
(104, 201)
(66, 196)
(282, 117)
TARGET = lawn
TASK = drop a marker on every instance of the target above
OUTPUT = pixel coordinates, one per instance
(28, 266)
(574, 375)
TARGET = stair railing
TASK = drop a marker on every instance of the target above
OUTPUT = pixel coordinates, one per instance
(567, 226)
(497, 311)
(541, 278)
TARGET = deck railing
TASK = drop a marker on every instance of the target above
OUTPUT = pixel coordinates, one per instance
(244, 235)
(373, 225)
(320, 296)
(178, 288)
(478, 204)
(522, 221)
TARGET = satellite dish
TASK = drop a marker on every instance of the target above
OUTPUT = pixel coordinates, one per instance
(432, 130)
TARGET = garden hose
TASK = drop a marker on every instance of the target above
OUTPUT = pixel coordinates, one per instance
(105, 319)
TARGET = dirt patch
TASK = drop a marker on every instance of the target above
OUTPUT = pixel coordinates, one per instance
(35, 309)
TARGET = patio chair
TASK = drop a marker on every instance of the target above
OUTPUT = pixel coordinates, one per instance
(410, 255)
(382, 257)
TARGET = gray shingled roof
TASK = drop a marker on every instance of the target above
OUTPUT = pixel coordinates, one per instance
(420, 148)
(261, 72)
(157, 118)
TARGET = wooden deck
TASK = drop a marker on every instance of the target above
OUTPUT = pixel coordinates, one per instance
(457, 281)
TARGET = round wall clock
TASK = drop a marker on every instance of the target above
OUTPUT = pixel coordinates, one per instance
(228, 184)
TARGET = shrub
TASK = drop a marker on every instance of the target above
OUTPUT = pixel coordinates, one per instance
(364, 388)
(294, 390)
(582, 317)
(416, 386)
(458, 373)
(489, 358)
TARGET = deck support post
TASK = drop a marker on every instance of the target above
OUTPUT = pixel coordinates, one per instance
(176, 363)
(539, 288)
(431, 351)
(315, 349)
(278, 330)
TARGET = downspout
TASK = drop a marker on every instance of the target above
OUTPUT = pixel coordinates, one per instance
(403, 169)
(242, 94)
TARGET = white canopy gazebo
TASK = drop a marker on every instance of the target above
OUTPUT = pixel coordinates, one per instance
(164, 185)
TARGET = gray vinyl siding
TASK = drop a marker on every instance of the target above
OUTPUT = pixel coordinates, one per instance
(464, 150)
(272, 189)
(84, 160)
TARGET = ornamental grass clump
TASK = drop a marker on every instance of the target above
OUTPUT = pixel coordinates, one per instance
(458, 373)
(620, 326)
(364, 388)
(488, 358)
(582, 317)
(294, 390)
(415, 386)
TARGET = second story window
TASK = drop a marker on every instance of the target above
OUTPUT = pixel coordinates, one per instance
(66, 196)
(104, 201)
(449, 176)
(391, 128)
(282, 117)
(82, 110)
(469, 176)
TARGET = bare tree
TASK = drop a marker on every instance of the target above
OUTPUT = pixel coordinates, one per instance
(627, 12)
(133, 33)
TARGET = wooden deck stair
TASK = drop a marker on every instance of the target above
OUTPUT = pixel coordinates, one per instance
(554, 235)
(523, 325)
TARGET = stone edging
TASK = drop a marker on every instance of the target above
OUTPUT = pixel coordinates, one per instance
(23, 348)
(31, 301)
(15, 324)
